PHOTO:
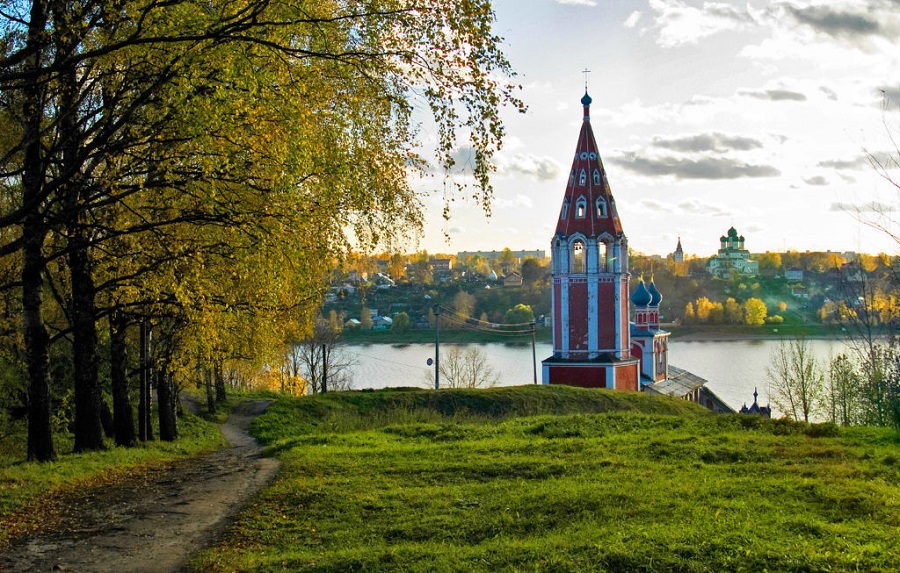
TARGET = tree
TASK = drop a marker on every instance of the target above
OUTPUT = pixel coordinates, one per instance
(769, 262)
(795, 379)
(324, 364)
(465, 367)
(689, 314)
(518, 315)
(716, 313)
(704, 307)
(862, 310)
(508, 261)
(420, 264)
(755, 311)
(734, 313)
(842, 397)
(365, 319)
(478, 265)
(401, 322)
(397, 266)
(182, 107)
(534, 270)
(464, 304)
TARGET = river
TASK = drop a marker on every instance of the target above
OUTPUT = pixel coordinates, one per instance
(732, 368)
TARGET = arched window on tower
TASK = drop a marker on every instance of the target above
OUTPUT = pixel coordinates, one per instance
(578, 264)
(601, 208)
(596, 177)
(602, 257)
(580, 208)
(565, 209)
(582, 178)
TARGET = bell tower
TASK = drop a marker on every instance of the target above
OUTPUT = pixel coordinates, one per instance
(589, 269)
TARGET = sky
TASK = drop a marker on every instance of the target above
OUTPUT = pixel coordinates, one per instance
(753, 114)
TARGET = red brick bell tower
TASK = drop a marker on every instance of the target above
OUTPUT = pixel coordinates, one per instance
(589, 268)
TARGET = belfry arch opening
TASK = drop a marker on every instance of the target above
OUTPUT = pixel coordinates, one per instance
(603, 257)
(578, 258)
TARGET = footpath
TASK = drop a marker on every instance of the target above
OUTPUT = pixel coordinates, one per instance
(152, 523)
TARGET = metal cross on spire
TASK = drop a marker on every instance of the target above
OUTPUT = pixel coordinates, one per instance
(586, 73)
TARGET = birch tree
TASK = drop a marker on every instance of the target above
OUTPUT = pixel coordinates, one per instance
(795, 379)
(147, 119)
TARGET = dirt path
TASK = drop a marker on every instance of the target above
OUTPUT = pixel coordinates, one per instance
(153, 523)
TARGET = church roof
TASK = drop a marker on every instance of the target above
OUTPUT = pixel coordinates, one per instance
(641, 296)
(655, 296)
(588, 206)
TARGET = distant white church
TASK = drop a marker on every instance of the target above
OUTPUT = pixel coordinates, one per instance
(732, 255)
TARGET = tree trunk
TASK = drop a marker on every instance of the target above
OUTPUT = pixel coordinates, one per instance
(220, 383)
(88, 428)
(210, 395)
(123, 414)
(106, 420)
(145, 427)
(40, 436)
(34, 230)
(165, 392)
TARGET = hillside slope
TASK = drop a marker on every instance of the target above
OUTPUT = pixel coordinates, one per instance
(512, 480)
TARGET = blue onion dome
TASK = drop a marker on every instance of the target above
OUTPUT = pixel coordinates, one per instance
(655, 296)
(641, 296)
(586, 100)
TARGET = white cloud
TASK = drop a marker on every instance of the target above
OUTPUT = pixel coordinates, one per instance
(699, 207)
(694, 167)
(519, 201)
(540, 168)
(677, 23)
(817, 180)
(577, 2)
(690, 206)
(710, 141)
(633, 19)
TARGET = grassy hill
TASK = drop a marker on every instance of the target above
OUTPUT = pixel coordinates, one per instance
(561, 479)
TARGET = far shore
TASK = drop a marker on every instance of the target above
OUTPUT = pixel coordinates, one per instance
(685, 333)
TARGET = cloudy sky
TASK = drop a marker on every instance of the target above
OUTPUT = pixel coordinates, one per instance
(755, 114)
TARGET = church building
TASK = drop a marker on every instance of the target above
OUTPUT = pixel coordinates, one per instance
(678, 255)
(732, 256)
(589, 269)
(595, 344)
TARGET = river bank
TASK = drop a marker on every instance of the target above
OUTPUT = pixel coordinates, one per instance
(685, 333)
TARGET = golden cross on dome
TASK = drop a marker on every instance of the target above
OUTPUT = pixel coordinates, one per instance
(586, 73)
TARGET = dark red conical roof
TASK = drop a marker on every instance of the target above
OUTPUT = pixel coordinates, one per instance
(580, 212)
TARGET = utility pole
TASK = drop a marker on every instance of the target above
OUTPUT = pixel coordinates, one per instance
(324, 370)
(437, 347)
(533, 352)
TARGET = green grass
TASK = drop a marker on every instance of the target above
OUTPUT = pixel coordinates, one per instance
(478, 481)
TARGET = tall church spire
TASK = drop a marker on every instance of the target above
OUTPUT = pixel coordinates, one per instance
(588, 205)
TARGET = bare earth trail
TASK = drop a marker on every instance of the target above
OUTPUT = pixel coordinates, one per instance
(153, 523)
